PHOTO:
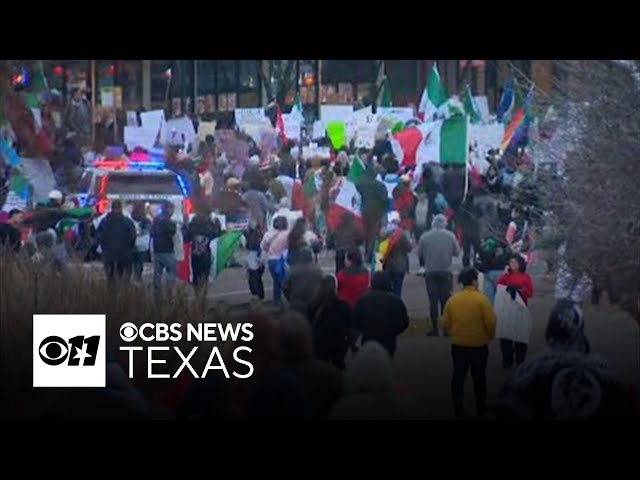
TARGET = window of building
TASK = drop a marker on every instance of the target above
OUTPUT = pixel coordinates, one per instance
(160, 80)
(226, 75)
(343, 80)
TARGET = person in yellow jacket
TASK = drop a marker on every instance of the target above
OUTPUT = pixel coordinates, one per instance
(470, 322)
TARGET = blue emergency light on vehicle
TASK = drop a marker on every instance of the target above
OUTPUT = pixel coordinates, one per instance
(147, 165)
(184, 187)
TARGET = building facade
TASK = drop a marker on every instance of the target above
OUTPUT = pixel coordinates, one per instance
(216, 87)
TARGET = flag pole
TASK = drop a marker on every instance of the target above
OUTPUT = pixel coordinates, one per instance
(93, 102)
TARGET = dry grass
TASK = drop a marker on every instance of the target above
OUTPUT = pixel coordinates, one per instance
(28, 287)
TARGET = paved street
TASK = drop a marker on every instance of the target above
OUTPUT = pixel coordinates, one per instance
(424, 364)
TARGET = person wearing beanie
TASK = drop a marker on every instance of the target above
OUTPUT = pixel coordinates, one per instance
(436, 249)
(470, 322)
(565, 380)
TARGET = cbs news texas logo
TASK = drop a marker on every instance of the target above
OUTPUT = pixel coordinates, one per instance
(69, 351)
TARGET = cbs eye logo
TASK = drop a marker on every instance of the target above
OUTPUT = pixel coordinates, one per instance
(128, 332)
(55, 350)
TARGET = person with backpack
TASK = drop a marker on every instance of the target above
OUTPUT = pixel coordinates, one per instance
(200, 231)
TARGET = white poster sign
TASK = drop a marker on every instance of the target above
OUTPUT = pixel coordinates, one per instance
(139, 137)
(246, 116)
(398, 114)
(292, 126)
(132, 119)
(178, 130)
(335, 113)
(152, 120)
(319, 129)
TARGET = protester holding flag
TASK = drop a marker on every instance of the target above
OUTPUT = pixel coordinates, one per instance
(404, 202)
(514, 319)
(395, 249)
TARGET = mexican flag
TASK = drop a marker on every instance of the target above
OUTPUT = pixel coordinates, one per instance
(348, 200)
(470, 107)
(434, 97)
(280, 124)
(444, 141)
(296, 111)
(357, 170)
(405, 145)
(222, 250)
(384, 100)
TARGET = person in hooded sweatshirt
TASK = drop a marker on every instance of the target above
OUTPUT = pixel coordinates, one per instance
(369, 390)
(565, 380)
(436, 248)
(379, 314)
(302, 282)
(117, 237)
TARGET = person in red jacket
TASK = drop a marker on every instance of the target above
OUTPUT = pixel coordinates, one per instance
(518, 282)
(353, 280)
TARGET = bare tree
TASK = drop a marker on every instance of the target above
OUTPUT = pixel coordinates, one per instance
(278, 78)
(597, 148)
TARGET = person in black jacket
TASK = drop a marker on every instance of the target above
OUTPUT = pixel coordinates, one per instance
(380, 315)
(330, 320)
(164, 257)
(117, 237)
(200, 232)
